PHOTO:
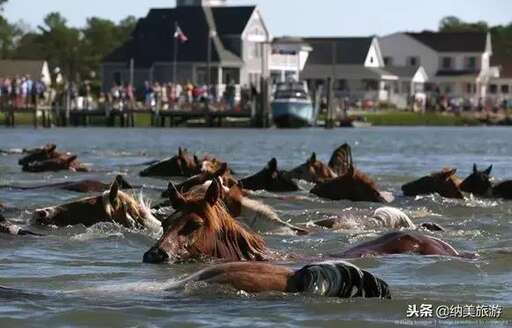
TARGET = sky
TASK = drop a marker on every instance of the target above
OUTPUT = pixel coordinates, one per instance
(291, 17)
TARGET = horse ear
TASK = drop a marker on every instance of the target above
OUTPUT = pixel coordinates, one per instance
(222, 170)
(313, 158)
(272, 165)
(196, 160)
(475, 168)
(51, 148)
(449, 173)
(176, 198)
(180, 152)
(72, 158)
(213, 192)
(113, 192)
(488, 171)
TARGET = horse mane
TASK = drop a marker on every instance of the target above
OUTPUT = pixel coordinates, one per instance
(225, 238)
(341, 160)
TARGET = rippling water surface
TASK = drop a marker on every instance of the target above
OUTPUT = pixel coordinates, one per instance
(79, 276)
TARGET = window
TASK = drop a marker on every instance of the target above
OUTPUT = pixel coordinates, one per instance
(493, 89)
(254, 50)
(505, 88)
(470, 63)
(341, 85)
(447, 62)
(388, 61)
(413, 61)
(470, 88)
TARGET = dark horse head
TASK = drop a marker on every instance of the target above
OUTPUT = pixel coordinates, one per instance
(202, 227)
(312, 171)
(444, 183)
(182, 165)
(39, 154)
(354, 185)
(222, 173)
(270, 179)
(479, 182)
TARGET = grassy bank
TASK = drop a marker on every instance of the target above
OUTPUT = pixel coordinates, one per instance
(397, 118)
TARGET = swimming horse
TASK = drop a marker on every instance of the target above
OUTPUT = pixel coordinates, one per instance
(82, 186)
(270, 178)
(329, 279)
(351, 184)
(112, 205)
(479, 183)
(444, 183)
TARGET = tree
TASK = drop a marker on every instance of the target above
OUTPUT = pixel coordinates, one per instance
(61, 45)
(454, 24)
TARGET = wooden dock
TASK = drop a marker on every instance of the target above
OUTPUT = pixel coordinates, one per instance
(48, 117)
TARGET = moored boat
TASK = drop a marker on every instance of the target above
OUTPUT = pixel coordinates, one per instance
(292, 107)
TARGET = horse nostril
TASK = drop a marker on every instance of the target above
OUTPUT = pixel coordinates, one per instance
(155, 255)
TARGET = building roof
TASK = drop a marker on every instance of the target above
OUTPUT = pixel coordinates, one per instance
(452, 41)
(153, 38)
(13, 68)
(349, 51)
(346, 72)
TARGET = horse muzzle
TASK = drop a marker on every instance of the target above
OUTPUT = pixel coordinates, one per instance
(155, 256)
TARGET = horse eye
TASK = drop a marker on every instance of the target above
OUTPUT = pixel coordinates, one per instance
(191, 226)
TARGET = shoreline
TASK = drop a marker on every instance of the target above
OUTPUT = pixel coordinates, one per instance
(382, 118)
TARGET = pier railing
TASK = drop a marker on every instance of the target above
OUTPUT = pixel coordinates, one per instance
(125, 116)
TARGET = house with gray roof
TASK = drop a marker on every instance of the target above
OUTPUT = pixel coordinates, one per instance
(224, 45)
(355, 64)
(457, 63)
(36, 69)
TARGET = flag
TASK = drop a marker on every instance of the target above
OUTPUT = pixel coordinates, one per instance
(182, 37)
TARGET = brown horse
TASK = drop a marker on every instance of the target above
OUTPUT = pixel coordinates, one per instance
(183, 164)
(202, 227)
(330, 279)
(112, 206)
(444, 183)
(353, 185)
(312, 171)
(270, 179)
(401, 242)
(61, 163)
(82, 186)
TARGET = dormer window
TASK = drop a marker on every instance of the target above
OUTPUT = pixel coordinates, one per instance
(413, 61)
(447, 63)
(388, 61)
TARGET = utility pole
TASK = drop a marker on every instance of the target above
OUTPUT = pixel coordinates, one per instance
(329, 122)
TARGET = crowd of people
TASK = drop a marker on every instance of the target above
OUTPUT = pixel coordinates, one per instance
(171, 96)
(22, 91)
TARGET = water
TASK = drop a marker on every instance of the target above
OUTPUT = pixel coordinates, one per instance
(94, 276)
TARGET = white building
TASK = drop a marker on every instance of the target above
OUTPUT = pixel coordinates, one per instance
(288, 58)
(457, 64)
(355, 64)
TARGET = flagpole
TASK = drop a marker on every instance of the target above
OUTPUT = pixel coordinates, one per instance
(176, 45)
